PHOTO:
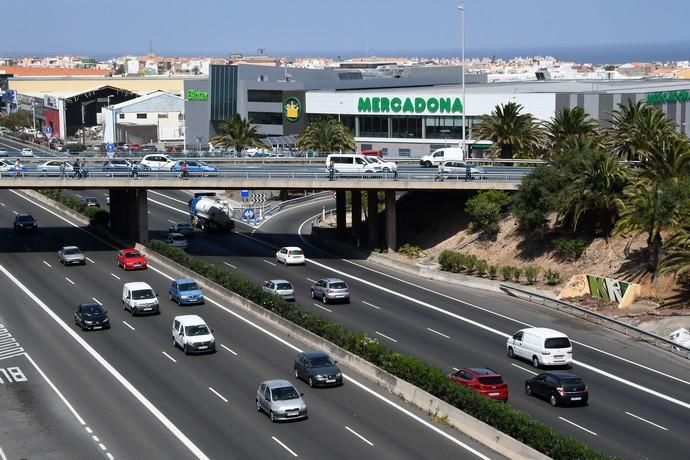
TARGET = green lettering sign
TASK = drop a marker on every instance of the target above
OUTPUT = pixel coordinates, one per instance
(196, 95)
(665, 97)
(410, 105)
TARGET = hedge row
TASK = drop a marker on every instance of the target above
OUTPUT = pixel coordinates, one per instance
(97, 216)
(457, 262)
(503, 417)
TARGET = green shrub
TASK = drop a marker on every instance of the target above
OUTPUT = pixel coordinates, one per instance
(517, 274)
(570, 248)
(410, 250)
(507, 272)
(96, 216)
(74, 148)
(503, 417)
(470, 263)
(485, 209)
(552, 277)
(482, 267)
(493, 270)
(531, 273)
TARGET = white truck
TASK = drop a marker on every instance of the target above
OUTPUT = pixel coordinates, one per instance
(208, 212)
(439, 156)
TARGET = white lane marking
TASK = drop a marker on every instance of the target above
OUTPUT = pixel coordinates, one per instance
(127, 385)
(291, 208)
(55, 389)
(370, 304)
(359, 436)
(647, 421)
(15, 212)
(218, 394)
(128, 325)
(436, 332)
(361, 386)
(172, 221)
(284, 446)
(47, 264)
(95, 438)
(114, 276)
(97, 301)
(311, 280)
(90, 260)
(110, 456)
(233, 352)
(580, 427)
(166, 196)
(483, 326)
(70, 281)
(269, 263)
(323, 308)
(455, 369)
(524, 369)
(3, 204)
(88, 430)
(2, 453)
(77, 195)
(169, 357)
(101, 446)
(186, 213)
(229, 265)
(385, 336)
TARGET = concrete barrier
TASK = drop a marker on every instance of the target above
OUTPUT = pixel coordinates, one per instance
(476, 429)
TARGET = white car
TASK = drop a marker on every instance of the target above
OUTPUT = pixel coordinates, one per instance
(290, 255)
(192, 334)
(9, 166)
(27, 152)
(157, 162)
(53, 167)
(386, 166)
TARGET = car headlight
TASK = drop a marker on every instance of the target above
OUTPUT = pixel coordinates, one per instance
(338, 374)
(319, 377)
(88, 322)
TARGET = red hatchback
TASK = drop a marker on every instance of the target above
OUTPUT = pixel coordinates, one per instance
(482, 380)
(131, 259)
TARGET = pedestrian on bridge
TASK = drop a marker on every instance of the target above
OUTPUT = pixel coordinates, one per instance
(331, 170)
(62, 170)
(77, 169)
(468, 172)
(183, 166)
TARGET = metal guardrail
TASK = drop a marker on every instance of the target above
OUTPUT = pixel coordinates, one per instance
(295, 201)
(602, 320)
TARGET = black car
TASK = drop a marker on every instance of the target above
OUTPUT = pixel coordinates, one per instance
(317, 369)
(25, 222)
(558, 388)
(91, 316)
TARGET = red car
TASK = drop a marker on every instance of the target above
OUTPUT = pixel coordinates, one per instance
(482, 380)
(131, 259)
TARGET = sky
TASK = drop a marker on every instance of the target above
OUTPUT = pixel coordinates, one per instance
(345, 27)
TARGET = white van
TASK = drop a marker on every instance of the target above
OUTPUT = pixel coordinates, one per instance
(139, 298)
(158, 162)
(352, 163)
(542, 346)
(439, 156)
(191, 334)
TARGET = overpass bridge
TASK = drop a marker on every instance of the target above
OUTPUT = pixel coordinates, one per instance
(129, 203)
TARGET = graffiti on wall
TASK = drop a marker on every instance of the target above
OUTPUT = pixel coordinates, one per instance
(608, 289)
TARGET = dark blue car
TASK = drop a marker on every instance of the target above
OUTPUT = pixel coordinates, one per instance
(185, 292)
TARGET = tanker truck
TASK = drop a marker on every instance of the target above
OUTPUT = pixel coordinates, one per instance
(208, 212)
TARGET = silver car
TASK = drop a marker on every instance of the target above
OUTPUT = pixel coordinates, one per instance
(69, 255)
(282, 288)
(280, 400)
(458, 169)
(330, 289)
(177, 240)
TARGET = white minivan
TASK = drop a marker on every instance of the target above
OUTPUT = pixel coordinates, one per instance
(352, 163)
(192, 334)
(158, 162)
(439, 156)
(541, 346)
(139, 298)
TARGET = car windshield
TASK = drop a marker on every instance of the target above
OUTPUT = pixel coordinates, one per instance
(295, 252)
(71, 251)
(199, 329)
(321, 361)
(573, 381)
(178, 238)
(131, 255)
(143, 294)
(339, 285)
(183, 225)
(91, 309)
(25, 218)
(557, 342)
(283, 286)
(284, 393)
(188, 286)
(493, 380)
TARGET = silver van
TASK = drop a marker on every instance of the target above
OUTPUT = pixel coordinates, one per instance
(541, 346)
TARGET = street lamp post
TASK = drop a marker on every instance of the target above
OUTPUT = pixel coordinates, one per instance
(462, 58)
(33, 116)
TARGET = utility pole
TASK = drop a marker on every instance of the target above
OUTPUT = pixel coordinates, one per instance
(464, 101)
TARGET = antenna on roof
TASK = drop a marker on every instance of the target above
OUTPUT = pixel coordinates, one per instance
(150, 46)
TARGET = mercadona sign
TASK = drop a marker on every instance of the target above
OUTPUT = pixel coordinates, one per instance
(409, 105)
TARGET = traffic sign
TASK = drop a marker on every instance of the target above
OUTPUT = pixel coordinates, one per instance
(109, 147)
(259, 197)
(248, 213)
(47, 129)
(244, 194)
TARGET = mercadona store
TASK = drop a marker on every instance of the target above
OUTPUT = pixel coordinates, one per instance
(416, 121)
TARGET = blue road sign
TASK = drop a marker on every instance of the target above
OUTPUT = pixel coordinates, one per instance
(249, 213)
(244, 194)
(109, 147)
(47, 129)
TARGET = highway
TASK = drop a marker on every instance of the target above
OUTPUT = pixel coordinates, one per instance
(141, 398)
(638, 393)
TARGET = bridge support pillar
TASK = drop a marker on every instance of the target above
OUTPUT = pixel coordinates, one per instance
(340, 211)
(129, 214)
(357, 215)
(372, 218)
(391, 221)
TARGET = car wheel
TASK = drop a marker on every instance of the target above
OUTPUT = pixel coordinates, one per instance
(324, 299)
(313, 296)
(258, 406)
(273, 417)
(553, 401)
(186, 349)
(427, 164)
(528, 390)
(511, 353)
(170, 296)
(310, 382)
(535, 362)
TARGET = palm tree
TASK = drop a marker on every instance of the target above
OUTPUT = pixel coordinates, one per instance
(636, 128)
(677, 257)
(238, 132)
(667, 161)
(326, 135)
(568, 124)
(511, 131)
